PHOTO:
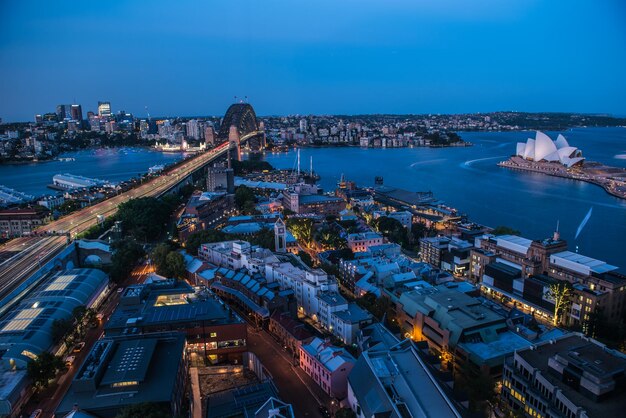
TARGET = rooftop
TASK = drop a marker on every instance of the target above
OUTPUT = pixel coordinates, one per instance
(593, 360)
(167, 303)
(396, 383)
(453, 310)
(25, 330)
(240, 402)
(514, 243)
(116, 367)
(580, 262)
(329, 356)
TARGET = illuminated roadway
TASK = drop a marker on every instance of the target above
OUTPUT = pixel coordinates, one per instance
(32, 252)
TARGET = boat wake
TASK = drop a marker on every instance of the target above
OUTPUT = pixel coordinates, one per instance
(438, 160)
(470, 163)
(620, 156)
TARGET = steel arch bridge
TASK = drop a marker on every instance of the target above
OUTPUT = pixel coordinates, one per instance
(243, 117)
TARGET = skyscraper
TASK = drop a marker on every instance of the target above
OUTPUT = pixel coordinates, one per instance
(64, 111)
(193, 129)
(76, 112)
(104, 109)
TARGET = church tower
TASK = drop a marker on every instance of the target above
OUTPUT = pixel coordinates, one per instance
(280, 236)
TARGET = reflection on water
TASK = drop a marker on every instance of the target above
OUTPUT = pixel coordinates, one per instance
(469, 179)
(114, 164)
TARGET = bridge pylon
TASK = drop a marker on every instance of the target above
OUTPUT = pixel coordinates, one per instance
(235, 141)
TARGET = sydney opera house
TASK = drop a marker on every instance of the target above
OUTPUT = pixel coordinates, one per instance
(542, 148)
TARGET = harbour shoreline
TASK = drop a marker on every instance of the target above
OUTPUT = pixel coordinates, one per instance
(556, 171)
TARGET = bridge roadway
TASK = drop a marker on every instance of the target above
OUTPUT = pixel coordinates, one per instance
(25, 255)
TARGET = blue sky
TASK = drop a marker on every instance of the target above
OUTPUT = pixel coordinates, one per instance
(323, 57)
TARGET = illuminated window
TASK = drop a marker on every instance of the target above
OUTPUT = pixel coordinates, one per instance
(213, 334)
(29, 354)
(121, 384)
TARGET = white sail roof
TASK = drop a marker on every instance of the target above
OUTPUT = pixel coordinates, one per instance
(529, 149)
(543, 147)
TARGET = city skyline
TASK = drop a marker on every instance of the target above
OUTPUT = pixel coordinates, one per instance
(346, 59)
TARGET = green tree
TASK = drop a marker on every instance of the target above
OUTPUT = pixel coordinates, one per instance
(126, 254)
(175, 265)
(345, 413)
(60, 328)
(44, 368)
(264, 238)
(244, 194)
(505, 230)
(420, 230)
(69, 206)
(392, 229)
(144, 218)
(302, 229)
(561, 293)
(159, 257)
(306, 258)
(203, 237)
(249, 208)
(145, 410)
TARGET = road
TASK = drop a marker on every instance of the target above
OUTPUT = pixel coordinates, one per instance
(21, 257)
(29, 255)
(51, 400)
(294, 386)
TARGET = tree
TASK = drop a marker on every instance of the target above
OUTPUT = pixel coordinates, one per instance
(392, 229)
(420, 230)
(42, 369)
(302, 229)
(341, 254)
(159, 257)
(264, 238)
(175, 265)
(345, 413)
(244, 194)
(249, 208)
(306, 258)
(505, 230)
(561, 293)
(248, 166)
(69, 206)
(60, 328)
(145, 410)
(126, 254)
(144, 218)
(203, 237)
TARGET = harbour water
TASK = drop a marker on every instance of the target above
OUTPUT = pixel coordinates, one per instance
(113, 164)
(469, 179)
(466, 178)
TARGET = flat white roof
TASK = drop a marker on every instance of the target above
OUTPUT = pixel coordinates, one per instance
(514, 243)
(580, 262)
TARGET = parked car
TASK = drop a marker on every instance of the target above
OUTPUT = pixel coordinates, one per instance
(69, 360)
(78, 347)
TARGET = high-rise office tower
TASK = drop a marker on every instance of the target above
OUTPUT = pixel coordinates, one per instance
(76, 112)
(104, 109)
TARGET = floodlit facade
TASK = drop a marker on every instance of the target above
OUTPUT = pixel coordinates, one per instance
(542, 148)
